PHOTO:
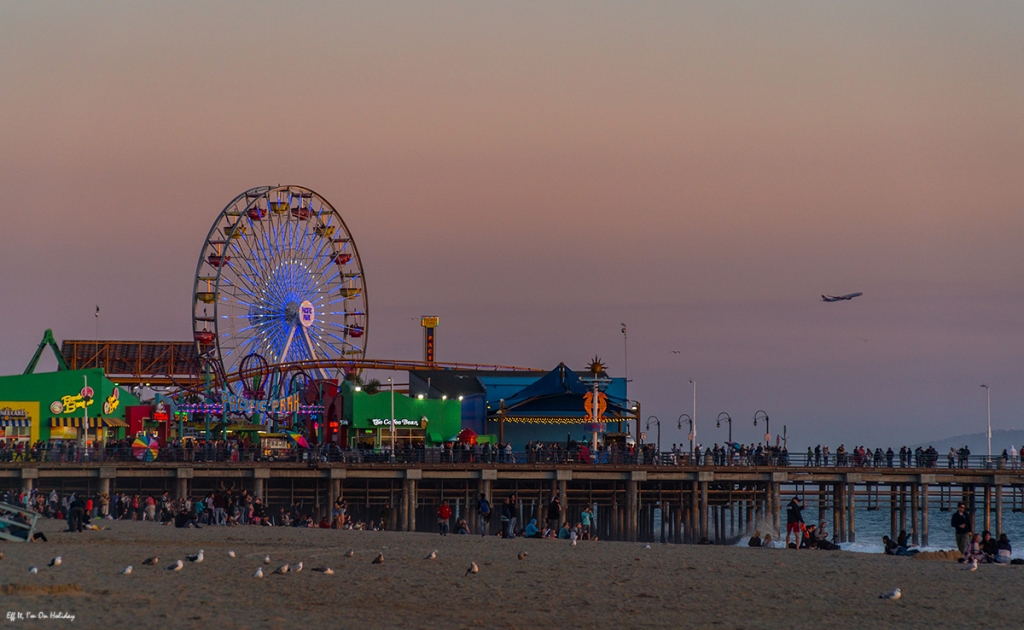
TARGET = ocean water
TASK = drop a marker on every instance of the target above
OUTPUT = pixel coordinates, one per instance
(871, 525)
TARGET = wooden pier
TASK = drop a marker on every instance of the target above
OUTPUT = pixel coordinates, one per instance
(717, 503)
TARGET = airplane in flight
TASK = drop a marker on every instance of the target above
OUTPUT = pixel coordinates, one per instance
(840, 298)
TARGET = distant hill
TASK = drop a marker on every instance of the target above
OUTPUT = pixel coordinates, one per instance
(977, 442)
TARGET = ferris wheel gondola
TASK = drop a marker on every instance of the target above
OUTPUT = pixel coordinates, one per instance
(279, 276)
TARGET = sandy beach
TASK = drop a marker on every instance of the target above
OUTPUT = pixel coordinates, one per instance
(595, 584)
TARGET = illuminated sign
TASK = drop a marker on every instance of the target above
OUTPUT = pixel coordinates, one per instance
(430, 321)
(13, 414)
(111, 403)
(70, 404)
(306, 316)
(239, 404)
(400, 422)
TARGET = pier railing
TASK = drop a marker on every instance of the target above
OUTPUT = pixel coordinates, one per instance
(219, 453)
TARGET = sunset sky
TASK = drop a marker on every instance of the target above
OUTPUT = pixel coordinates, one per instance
(536, 173)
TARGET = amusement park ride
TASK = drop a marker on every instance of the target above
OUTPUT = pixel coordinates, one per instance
(279, 316)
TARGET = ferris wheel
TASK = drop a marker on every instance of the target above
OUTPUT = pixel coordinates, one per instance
(279, 276)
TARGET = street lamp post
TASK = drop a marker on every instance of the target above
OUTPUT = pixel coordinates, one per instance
(693, 421)
(391, 382)
(727, 418)
(761, 415)
(657, 422)
(689, 420)
(988, 394)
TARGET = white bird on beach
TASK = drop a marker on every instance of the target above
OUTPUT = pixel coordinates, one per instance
(350, 553)
(127, 570)
(896, 594)
(33, 570)
(971, 566)
(231, 553)
(196, 557)
(281, 570)
(324, 570)
(647, 546)
(259, 572)
(266, 559)
(176, 566)
(56, 562)
(433, 554)
(472, 568)
(297, 568)
(379, 559)
(151, 561)
(572, 543)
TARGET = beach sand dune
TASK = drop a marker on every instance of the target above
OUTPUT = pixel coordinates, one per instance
(592, 585)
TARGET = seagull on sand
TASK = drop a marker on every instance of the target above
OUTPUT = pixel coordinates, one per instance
(196, 557)
(176, 566)
(231, 553)
(971, 566)
(350, 553)
(33, 570)
(281, 570)
(266, 559)
(56, 562)
(259, 572)
(895, 594)
(572, 543)
(433, 554)
(297, 568)
(324, 570)
(151, 561)
(472, 568)
(647, 546)
(127, 570)
(522, 555)
(379, 559)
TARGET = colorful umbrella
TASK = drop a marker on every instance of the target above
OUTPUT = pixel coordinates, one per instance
(297, 438)
(146, 448)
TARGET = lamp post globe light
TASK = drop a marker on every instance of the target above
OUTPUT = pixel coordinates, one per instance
(761, 415)
(657, 422)
(718, 423)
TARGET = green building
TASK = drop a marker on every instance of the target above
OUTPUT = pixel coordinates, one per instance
(366, 419)
(51, 406)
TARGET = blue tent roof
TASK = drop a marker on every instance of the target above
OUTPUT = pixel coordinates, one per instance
(560, 392)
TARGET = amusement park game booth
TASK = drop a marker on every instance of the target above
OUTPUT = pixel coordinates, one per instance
(51, 406)
(418, 421)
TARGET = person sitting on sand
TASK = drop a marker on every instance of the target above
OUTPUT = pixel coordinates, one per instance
(531, 529)
(1003, 550)
(974, 552)
(889, 546)
(767, 542)
(755, 540)
(903, 540)
(563, 533)
(989, 545)
(808, 541)
(185, 519)
(462, 527)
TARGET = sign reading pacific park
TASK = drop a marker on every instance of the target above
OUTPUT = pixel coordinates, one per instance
(306, 314)
(243, 405)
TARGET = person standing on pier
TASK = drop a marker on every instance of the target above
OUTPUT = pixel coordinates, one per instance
(794, 520)
(961, 523)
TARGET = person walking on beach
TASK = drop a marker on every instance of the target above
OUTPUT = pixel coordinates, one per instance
(961, 523)
(794, 520)
(443, 514)
(483, 508)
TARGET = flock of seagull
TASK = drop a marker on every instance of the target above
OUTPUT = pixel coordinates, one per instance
(284, 569)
